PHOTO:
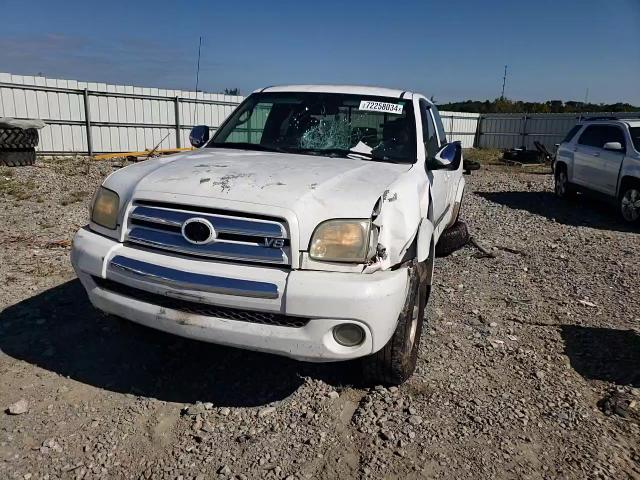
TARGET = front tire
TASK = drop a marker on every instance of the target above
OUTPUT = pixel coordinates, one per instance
(396, 362)
(630, 204)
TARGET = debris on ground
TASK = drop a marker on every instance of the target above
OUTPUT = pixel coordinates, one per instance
(18, 408)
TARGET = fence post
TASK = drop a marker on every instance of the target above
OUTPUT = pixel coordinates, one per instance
(476, 139)
(87, 120)
(451, 128)
(524, 131)
(177, 115)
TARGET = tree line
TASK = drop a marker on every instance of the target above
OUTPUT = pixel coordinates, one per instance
(500, 105)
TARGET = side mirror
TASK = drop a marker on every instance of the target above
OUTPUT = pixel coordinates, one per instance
(199, 135)
(614, 146)
(447, 158)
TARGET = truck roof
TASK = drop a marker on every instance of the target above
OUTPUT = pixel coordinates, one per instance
(354, 89)
(632, 121)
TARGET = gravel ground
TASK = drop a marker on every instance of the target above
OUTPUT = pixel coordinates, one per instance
(530, 366)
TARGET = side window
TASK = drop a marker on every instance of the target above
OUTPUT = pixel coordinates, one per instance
(592, 136)
(571, 133)
(611, 133)
(428, 130)
(439, 126)
(598, 135)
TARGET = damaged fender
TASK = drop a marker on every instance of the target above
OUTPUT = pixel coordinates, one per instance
(402, 220)
(425, 235)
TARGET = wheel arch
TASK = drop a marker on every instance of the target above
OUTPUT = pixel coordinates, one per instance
(425, 243)
(627, 181)
(561, 165)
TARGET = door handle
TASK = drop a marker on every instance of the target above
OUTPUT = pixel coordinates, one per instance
(596, 154)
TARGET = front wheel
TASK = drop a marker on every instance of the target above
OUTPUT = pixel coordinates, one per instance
(630, 204)
(396, 362)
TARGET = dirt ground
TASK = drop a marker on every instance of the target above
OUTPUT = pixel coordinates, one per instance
(529, 368)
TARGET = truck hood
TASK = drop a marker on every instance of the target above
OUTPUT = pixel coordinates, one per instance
(314, 188)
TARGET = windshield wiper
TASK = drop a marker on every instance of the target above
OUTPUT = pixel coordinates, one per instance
(344, 152)
(248, 146)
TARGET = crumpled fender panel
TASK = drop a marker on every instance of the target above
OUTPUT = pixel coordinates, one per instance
(401, 209)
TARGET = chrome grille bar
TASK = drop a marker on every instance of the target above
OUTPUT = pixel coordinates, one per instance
(222, 223)
(193, 281)
(158, 225)
(220, 249)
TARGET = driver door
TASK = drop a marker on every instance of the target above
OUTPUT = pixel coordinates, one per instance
(439, 179)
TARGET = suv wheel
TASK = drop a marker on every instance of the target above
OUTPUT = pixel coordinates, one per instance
(397, 360)
(563, 188)
(630, 204)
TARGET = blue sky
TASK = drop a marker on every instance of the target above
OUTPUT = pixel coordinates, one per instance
(452, 49)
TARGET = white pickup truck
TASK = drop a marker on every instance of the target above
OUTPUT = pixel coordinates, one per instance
(306, 227)
(602, 156)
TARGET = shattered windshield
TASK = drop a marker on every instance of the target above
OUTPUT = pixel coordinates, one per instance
(337, 125)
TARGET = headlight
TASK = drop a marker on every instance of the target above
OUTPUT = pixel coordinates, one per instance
(105, 208)
(341, 241)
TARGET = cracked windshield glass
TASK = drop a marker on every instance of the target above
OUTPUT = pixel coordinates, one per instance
(336, 125)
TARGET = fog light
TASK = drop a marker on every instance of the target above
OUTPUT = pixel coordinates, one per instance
(348, 334)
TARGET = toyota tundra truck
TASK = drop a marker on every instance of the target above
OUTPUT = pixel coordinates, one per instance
(306, 226)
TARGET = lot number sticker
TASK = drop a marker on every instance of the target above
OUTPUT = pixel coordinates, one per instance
(383, 107)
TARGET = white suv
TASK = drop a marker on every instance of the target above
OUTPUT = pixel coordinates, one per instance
(603, 156)
(306, 227)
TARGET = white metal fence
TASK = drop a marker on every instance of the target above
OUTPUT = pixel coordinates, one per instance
(516, 130)
(97, 117)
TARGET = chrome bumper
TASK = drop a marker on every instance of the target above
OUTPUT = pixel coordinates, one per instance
(193, 281)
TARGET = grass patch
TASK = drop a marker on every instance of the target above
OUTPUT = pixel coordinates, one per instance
(6, 172)
(74, 197)
(485, 156)
(68, 166)
(16, 189)
(493, 156)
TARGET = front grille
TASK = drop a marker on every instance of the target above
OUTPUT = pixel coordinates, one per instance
(238, 237)
(250, 316)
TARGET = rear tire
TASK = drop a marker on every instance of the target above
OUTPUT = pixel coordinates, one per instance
(562, 187)
(396, 362)
(453, 238)
(629, 204)
(18, 157)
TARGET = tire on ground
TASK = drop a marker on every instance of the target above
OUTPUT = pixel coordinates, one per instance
(470, 165)
(14, 138)
(17, 157)
(562, 187)
(628, 200)
(453, 238)
(396, 362)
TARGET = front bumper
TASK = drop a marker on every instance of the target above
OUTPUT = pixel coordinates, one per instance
(373, 301)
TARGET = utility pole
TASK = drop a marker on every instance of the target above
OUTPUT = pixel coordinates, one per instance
(195, 106)
(504, 82)
(586, 96)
